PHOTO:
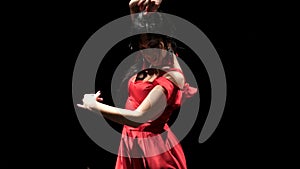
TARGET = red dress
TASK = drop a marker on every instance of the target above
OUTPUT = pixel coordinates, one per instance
(152, 144)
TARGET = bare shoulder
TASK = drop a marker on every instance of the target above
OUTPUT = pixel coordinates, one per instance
(176, 77)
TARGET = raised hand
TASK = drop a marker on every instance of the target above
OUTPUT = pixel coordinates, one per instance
(144, 5)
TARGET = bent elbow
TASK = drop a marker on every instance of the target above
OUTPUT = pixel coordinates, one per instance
(137, 118)
(140, 117)
(135, 122)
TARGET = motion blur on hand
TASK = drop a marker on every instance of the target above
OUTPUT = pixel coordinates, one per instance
(144, 5)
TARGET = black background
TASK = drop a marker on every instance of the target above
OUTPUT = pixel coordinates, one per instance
(45, 132)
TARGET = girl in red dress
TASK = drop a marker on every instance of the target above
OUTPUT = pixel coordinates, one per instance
(154, 93)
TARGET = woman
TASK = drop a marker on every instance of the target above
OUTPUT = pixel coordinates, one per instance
(154, 93)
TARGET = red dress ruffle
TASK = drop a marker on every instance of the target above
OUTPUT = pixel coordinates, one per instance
(152, 144)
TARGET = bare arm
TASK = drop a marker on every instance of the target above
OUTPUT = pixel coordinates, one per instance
(151, 108)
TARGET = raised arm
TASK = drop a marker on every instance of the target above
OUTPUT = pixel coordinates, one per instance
(151, 108)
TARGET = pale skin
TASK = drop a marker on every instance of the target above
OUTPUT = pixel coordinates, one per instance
(155, 102)
(127, 117)
(144, 5)
(150, 108)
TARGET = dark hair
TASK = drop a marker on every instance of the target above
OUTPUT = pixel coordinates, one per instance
(156, 26)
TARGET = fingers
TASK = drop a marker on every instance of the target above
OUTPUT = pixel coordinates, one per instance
(133, 3)
(84, 107)
(99, 99)
(97, 94)
(146, 2)
(140, 2)
(152, 7)
(145, 5)
(81, 106)
(134, 8)
(157, 2)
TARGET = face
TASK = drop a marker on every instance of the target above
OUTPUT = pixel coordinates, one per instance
(153, 50)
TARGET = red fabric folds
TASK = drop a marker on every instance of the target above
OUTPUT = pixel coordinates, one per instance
(152, 144)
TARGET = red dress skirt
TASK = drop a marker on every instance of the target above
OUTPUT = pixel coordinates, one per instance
(152, 144)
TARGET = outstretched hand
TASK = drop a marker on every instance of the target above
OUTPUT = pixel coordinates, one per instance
(89, 101)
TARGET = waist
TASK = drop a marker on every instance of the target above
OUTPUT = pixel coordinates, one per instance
(149, 127)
